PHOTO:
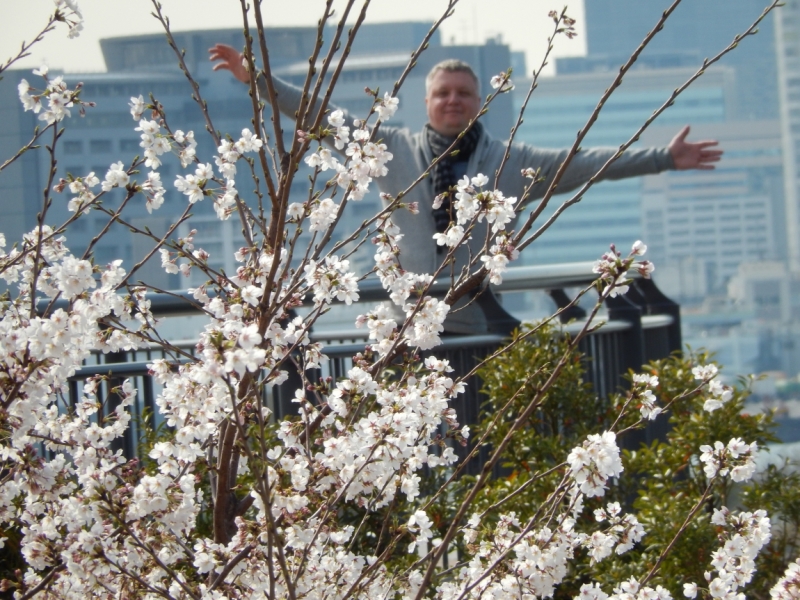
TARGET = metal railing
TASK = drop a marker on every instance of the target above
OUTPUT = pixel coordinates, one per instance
(641, 326)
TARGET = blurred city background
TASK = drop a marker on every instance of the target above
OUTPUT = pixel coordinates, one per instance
(726, 243)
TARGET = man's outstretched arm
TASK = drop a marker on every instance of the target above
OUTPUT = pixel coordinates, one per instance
(230, 59)
(693, 155)
(634, 162)
(289, 96)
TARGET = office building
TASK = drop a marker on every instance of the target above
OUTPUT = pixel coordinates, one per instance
(144, 65)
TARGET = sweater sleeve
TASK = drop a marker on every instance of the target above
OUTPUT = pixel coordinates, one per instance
(585, 164)
(289, 97)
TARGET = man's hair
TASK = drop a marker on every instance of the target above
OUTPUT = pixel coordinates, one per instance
(451, 65)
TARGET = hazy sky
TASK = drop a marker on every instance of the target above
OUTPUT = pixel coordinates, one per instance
(522, 23)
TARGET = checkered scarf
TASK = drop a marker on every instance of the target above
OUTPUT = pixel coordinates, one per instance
(443, 175)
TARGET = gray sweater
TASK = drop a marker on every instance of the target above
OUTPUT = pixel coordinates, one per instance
(412, 155)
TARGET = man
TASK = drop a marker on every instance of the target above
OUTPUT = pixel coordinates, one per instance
(452, 100)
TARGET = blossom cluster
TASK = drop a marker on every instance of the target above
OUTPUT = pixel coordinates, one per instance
(195, 186)
(719, 394)
(72, 15)
(622, 533)
(736, 459)
(82, 186)
(40, 354)
(788, 586)
(500, 254)
(331, 279)
(613, 269)
(59, 98)
(630, 589)
(425, 317)
(642, 392)
(364, 159)
(472, 205)
(744, 534)
(593, 463)
(154, 142)
(535, 561)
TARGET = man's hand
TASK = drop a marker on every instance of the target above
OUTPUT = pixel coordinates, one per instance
(231, 59)
(693, 155)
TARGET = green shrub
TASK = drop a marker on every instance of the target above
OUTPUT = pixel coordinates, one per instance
(662, 480)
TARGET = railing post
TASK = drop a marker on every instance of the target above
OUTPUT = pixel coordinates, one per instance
(656, 303)
(559, 296)
(283, 394)
(634, 355)
(621, 308)
(498, 319)
(127, 444)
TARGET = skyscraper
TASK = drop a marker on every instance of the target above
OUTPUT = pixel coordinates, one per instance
(788, 61)
(736, 101)
(145, 64)
(694, 31)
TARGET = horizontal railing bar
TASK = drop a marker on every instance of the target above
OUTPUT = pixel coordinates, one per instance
(657, 321)
(545, 277)
(648, 322)
(448, 343)
(118, 369)
(346, 350)
(349, 349)
(515, 279)
(333, 335)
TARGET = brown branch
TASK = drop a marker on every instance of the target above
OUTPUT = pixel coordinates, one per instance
(678, 534)
(183, 66)
(222, 506)
(534, 84)
(47, 200)
(229, 567)
(43, 583)
(25, 48)
(37, 133)
(248, 54)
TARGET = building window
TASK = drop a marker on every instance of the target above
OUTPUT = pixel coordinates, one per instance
(129, 146)
(99, 146)
(73, 147)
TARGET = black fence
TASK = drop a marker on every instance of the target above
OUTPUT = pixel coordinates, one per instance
(641, 326)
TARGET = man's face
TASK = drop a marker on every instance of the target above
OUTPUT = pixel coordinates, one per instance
(452, 102)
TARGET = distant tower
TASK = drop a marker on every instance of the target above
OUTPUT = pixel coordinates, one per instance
(696, 30)
(788, 60)
(718, 219)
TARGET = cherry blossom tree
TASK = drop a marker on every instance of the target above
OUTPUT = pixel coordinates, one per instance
(232, 502)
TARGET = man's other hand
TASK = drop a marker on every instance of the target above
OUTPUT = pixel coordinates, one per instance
(231, 59)
(693, 155)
